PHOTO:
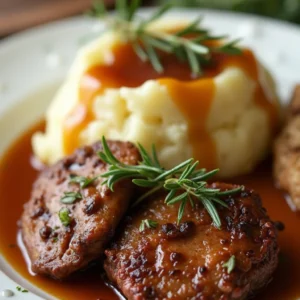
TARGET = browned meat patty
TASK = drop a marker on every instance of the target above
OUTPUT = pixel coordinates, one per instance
(186, 261)
(56, 249)
(287, 152)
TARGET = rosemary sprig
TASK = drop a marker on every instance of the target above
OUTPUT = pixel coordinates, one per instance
(230, 264)
(184, 182)
(148, 44)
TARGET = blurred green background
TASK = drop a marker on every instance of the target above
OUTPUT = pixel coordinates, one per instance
(288, 10)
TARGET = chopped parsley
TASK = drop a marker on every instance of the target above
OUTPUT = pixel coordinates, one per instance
(147, 223)
(70, 197)
(20, 289)
(64, 216)
(82, 181)
(230, 264)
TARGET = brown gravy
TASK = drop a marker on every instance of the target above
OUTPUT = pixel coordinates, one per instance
(128, 70)
(17, 176)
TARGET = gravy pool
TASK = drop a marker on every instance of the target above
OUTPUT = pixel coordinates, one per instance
(17, 176)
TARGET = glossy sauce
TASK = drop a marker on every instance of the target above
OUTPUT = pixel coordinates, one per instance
(193, 97)
(17, 176)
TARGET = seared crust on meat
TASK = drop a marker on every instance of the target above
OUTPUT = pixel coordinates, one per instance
(186, 261)
(287, 152)
(59, 250)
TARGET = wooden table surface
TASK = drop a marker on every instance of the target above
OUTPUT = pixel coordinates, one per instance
(16, 15)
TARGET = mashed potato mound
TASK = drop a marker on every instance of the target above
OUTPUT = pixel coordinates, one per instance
(147, 114)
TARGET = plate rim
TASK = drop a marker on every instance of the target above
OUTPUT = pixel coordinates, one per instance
(14, 38)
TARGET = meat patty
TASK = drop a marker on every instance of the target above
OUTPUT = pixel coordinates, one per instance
(186, 261)
(287, 152)
(60, 245)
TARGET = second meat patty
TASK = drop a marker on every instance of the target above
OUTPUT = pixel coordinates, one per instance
(195, 260)
(63, 238)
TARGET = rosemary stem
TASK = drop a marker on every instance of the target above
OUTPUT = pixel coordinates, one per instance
(147, 194)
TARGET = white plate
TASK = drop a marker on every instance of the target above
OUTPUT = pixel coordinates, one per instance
(33, 63)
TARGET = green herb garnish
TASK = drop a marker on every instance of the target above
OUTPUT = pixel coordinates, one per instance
(64, 216)
(184, 182)
(20, 289)
(148, 44)
(82, 181)
(230, 264)
(70, 197)
(147, 223)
